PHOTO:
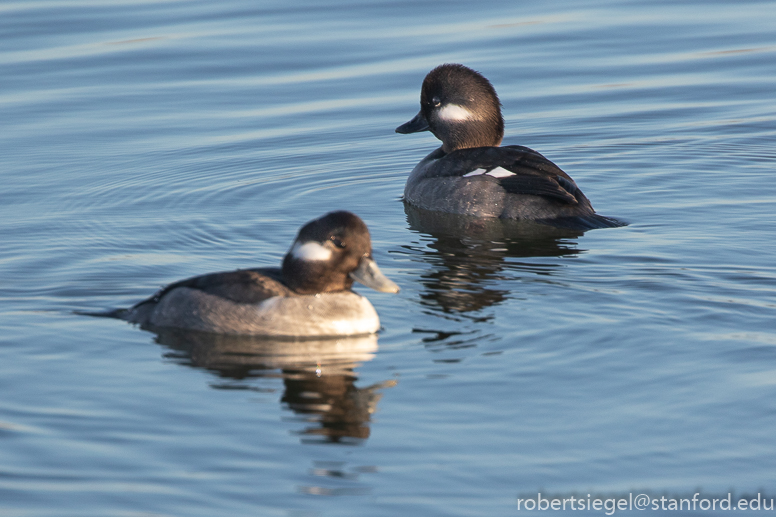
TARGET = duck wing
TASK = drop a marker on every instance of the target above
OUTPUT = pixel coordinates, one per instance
(518, 169)
(241, 286)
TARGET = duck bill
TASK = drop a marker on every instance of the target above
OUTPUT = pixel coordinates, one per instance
(416, 125)
(370, 275)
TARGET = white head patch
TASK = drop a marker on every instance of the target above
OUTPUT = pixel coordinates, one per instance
(310, 251)
(455, 113)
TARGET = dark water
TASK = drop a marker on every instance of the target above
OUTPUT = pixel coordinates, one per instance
(143, 142)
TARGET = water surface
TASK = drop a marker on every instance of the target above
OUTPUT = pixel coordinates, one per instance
(148, 141)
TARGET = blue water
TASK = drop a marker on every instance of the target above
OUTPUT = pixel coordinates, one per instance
(147, 141)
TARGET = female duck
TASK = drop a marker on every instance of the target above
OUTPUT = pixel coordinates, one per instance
(309, 296)
(471, 175)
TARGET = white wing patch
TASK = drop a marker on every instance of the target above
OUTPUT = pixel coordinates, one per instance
(310, 251)
(498, 172)
(455, 113)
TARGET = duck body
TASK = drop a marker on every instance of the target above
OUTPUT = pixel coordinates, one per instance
(471, 174)
(510, 182)
(309, 296)
(253, 302)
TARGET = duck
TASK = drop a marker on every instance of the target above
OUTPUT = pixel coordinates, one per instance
(471, 174)
(309, 296)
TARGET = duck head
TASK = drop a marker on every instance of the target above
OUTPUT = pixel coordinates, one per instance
(329, 253)
(460, 107)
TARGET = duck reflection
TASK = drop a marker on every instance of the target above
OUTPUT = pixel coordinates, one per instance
(468, 256)
(319, 376)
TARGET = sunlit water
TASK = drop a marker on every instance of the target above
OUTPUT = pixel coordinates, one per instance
(143, 142)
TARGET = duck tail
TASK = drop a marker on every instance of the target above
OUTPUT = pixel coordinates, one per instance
(120, 314)
(585, 222)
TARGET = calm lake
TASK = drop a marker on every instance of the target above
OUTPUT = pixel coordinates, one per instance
(146, 141)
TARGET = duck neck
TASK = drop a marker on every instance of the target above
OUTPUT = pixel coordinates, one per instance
(312, 277)
(483, 133)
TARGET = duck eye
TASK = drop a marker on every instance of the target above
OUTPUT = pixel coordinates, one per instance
(337, 242)
(436, 102)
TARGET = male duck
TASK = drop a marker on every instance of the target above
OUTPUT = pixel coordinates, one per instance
(471, 175)
(309, 296)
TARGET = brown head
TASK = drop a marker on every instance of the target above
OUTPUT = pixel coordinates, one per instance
(460, 107)
(329, 253)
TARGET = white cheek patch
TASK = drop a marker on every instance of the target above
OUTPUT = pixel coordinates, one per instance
(310, 251)
(498, 172)
(455, 113)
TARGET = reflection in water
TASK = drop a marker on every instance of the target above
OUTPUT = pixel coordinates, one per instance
(335, 472)
(319, 375)
(468, 255)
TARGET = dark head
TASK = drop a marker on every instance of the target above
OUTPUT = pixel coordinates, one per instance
(460, 107)
(329, 253)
